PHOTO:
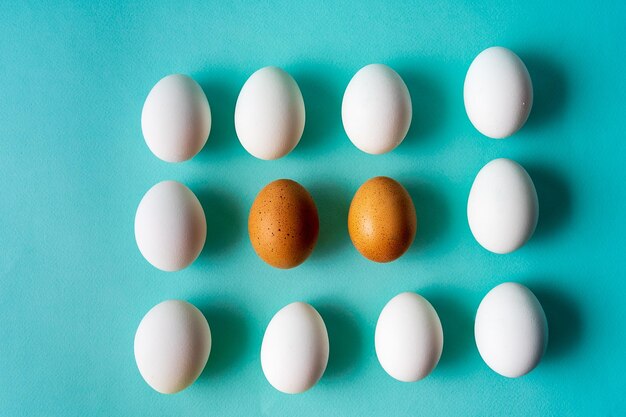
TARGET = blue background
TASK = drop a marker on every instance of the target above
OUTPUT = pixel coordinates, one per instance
(74, 166)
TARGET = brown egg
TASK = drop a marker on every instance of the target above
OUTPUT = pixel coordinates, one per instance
(382, 220)
(283, 224)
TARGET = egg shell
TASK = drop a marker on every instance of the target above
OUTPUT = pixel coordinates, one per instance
(172, 346)
(511, 330)
(176, 118)
(498, 93)
(269, 114)
(283, 224)
(502, 208)
(409, 337)
(170, 226)
(376, 109)
(295, 348)
(382, 220)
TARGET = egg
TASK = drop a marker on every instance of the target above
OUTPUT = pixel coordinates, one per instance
(409, 337)
(295, 348)
(172, 346)
(376, 109)
(269, 114)
(498, 93)
(511, 330)
(283, 224)
(170, 226)
(382, 220)
(176, 118)
(502, 208)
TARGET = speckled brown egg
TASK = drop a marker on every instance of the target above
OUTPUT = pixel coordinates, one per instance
(382, 221)
(283, 224)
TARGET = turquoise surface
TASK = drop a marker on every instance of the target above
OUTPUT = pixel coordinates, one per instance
(74, 166)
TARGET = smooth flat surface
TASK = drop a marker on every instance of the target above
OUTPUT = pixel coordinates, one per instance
(74, 166)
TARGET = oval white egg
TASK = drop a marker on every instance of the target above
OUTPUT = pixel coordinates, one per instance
(498, 93)
(170, 226)
(511, 330)
(269, 114)
(502, 208)
(172, 346)
(176, 118)
(409, 337)
(376, 109)
(295, 348)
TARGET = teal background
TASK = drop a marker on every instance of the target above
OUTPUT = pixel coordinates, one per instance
(74, 166)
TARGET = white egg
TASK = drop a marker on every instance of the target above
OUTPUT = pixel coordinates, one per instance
(176, 118)
(376, 109)
(172, 346)
(269, 114)
(502, 208)
(170, 227)
(294, 352)
(511, 330)
(409, 337)
(498, 93)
